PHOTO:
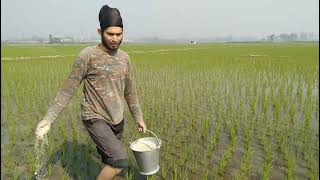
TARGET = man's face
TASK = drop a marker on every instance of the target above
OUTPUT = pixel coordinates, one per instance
(112, 37)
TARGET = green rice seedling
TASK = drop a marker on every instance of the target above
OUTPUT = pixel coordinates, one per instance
(12, 135)
(164, 172)
(248, 151)
(152, 177)
(31, 161)
(129, 175)
(182, 159)
(214, 139)
(175, 172)
(287, 154)
(204, 174)
(194, 167)
(267, 166)
(314, 171)
(233, 137)
(184, 173)
(50, 169)
(312, 162)
(16, 171)
(226, 156)
(63, 131)
(65, 175)
(290, 166)
(245, 164)
(266, 171)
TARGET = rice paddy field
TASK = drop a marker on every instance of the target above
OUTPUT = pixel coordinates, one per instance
(222, 111)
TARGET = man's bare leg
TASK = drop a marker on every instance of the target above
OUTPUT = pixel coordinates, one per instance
(108, 173)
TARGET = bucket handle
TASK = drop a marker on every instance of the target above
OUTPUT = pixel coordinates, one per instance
(159, 141)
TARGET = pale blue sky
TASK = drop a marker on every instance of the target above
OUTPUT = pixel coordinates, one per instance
(162, 18)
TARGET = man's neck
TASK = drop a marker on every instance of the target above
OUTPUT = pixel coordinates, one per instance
(103, 48)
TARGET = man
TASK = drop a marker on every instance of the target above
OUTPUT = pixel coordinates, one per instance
(107, 75)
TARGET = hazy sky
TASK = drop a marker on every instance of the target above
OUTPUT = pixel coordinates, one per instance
(162, 18)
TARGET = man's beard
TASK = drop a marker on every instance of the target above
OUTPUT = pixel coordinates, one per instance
(106, 45)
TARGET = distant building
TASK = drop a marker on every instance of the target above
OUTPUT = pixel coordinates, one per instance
(193, 42)
(53, 40)
(67, 40)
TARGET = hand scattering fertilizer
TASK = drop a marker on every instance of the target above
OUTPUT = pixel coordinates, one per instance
(146, 152)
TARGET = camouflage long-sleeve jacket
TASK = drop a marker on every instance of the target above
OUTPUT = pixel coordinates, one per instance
(108, 83)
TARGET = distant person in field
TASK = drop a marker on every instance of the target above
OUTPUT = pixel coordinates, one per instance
(106, 72)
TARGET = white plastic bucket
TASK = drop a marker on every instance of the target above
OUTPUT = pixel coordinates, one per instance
(146, 152)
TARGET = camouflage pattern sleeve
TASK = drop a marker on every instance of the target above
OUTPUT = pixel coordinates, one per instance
(131, 96)
(68, 88)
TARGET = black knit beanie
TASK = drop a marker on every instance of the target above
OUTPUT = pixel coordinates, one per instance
(109, 17)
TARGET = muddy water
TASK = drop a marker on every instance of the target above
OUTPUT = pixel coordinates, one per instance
(4, 136)
(257, 160)
(219, 148)
(4, 130)
(233, 168)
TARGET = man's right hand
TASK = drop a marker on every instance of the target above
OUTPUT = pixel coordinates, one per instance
(142, 126)
(42, 128)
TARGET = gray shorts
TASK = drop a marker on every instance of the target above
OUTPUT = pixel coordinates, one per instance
(107, 139)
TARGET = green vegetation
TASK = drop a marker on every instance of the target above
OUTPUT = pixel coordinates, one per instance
(203, 101)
